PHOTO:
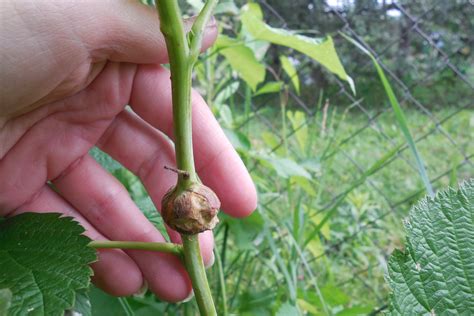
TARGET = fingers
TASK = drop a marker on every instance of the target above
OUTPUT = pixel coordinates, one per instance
(108, 270)
(217, 163)
(128, 31)
(145, 151)
(72, 127)
(105, 203)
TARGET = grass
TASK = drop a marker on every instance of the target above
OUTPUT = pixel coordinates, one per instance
(367, 224)
(325, 226)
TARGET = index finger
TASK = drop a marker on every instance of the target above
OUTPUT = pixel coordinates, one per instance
(217, 163)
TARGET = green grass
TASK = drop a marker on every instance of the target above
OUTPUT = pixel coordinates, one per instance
(367, 224)
(324, 228)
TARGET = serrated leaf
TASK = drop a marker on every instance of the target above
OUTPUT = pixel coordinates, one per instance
(321, 50)
(435, 274)
(45, 260)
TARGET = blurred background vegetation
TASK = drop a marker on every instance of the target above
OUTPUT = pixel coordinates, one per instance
(333, 170)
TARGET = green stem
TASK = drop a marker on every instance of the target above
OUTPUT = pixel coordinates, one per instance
(225, 312)
(195, 268)
(138, 245)
(172, 27)
(183, 52)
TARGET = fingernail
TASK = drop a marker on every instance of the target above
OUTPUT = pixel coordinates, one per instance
(211, 262)
(190, 297)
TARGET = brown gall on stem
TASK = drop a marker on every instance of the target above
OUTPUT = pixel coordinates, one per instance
(190, 211)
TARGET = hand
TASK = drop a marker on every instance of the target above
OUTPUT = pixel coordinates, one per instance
(68, 70)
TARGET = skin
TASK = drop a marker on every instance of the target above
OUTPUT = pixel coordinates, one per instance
(68, 69)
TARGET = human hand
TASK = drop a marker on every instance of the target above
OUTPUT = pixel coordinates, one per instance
(68, 70)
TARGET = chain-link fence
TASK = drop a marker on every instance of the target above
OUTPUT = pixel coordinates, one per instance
(425, 49)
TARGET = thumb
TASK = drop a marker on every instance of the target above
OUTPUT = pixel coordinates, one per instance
(128, 31)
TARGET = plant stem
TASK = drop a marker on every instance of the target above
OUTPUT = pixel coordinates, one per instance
(195, 268)
(183, 51)
(220, 270)
(172, 27)
(138, 245)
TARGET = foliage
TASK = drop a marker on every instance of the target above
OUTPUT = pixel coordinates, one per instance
(44, 260)
(332, 170)
(435, 273)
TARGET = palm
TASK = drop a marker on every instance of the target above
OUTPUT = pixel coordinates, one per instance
(44, 165)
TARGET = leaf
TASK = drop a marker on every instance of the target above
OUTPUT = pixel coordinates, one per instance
(322, 51)
(286, 167)
(44, 260)
(291, 72)
(306, 184)
(226, 92)
(104, 304)
(82, 305)
(332, 295)
(5, 300)
(435, 273)
(226, 7)
(242, 60)
(225, 114)
(300, 126)
(288, 309)
(244, 230)
(269, 87)
(356, 311)
(104, 160)
(325, 229)
(315, 247)
(306, 306)
(237, 139)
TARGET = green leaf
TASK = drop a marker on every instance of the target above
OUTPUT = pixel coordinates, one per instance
(226, 92)
(238, 139)
(286, 167)
(435, 273)
(104, 160)
(315, 247)
(356, 311)
(300, 126)
(288, 309)
(306, 184)
(5, 300)
(307, 307)
(269, 87)
(104, 304)
(325, 229)
(44, 260)
(321, 50)
(291, 72)
(242, 60)
(244, 230)
(82, 305)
